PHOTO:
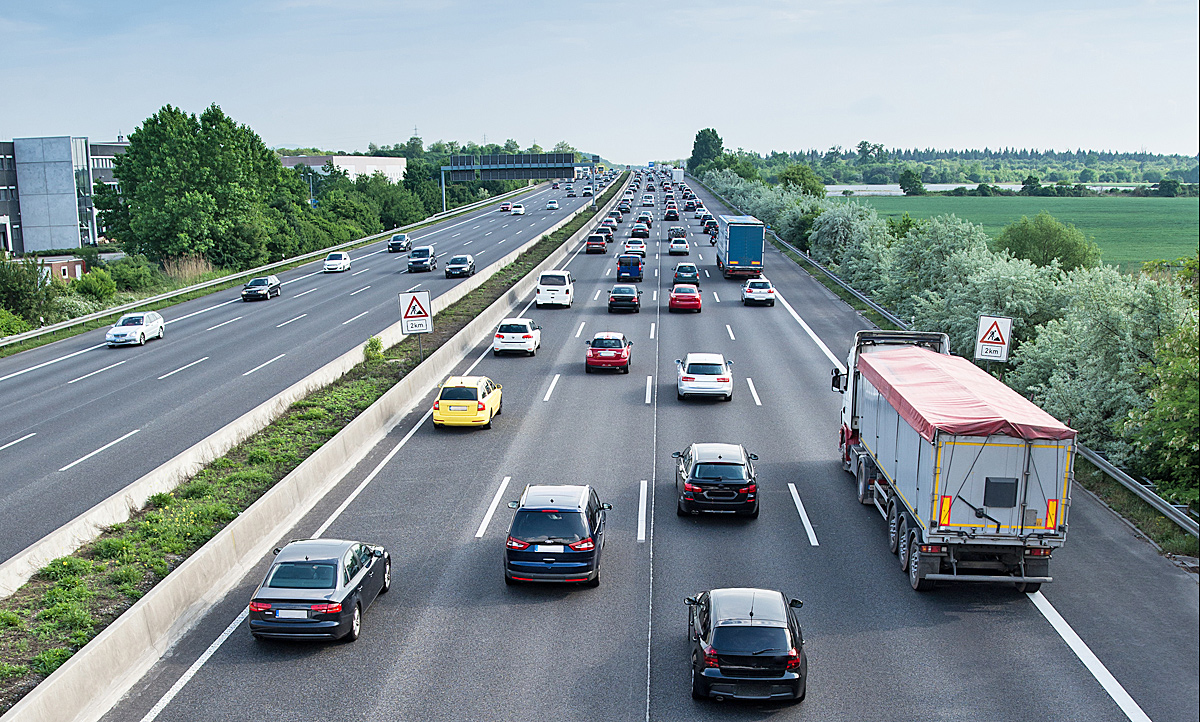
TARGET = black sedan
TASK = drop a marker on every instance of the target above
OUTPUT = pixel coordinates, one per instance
(318, 589)
(463, 265)
(261, 288)
(624, 298)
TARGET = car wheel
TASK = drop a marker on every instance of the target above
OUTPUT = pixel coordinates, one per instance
(488, 425)
(595, 582)
(141, 339)
(699, 691)
(500, 408)
(918, 582)
(772, 304)
(355, 624)
(729, 397)
(162, 331)
(893, 524)
(679, 396)
(387, 577)
(625, 370)
(495, 352)
(679, 510)
(587, 369)
(447, 275)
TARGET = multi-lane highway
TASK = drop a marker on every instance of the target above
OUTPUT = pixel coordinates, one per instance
(81, 421)
(452, 642)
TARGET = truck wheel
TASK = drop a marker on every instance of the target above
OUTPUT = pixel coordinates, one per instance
(904, 540)
(893, 523)
(916, 577)
(1028, 587)
(864, 481)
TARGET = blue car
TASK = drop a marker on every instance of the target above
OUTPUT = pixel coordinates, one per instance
(556, 535)
(630, 267)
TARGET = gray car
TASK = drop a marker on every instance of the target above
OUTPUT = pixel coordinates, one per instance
(704, 374)
(463, 265)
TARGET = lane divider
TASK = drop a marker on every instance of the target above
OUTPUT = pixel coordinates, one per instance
(812, 535)
(97, 451)
(81, 378)
(182, 368)
(487, 518)
(753, 391)
(550, 390)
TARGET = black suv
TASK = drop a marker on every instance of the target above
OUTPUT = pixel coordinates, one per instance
(716, 478)
(746, 644)
(422, 258)
(557, 535)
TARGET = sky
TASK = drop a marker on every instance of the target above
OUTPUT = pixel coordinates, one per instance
(632, 81)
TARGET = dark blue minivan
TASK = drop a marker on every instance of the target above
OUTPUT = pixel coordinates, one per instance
(557, 535)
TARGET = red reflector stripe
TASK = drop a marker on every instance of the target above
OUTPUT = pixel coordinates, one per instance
(1051, 513)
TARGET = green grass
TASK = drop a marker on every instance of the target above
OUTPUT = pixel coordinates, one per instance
(1129, 231)
(1166, 533)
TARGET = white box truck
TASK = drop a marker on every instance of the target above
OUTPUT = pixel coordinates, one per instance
(677, 174)
(973, 479)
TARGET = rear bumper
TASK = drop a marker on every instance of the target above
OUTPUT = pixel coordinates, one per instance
(299, 630)
(717, 507)
(476, 420)
(789, 686)
(606, 363)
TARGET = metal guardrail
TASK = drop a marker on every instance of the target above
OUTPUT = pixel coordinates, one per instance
(18, 338)
(1179, 514)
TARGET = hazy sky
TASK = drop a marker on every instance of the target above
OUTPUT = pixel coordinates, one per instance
(632, 81)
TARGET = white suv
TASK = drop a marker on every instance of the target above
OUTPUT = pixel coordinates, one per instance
(758, 290)
(337, 262)
(521, 335)
(555, 288)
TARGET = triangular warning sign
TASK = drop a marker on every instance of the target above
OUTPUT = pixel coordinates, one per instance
(415, 310)
(993, 335)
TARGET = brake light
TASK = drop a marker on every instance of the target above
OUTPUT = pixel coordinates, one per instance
(753, 488)
(689, 486)
(793, 662)
(689, 378)
(710, 656)
(259, 606)
(1038, 552)
(514, 543)
(331, 608)
(932, 549)
(723, 378)
(583, 545)
(499, 335)
(436, 405)
(480, 406)
(770, 290)
(528, 335)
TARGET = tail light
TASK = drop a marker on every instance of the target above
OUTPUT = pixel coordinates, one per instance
(689, 486)
(793, 662)
(259, 606)
(932, 549)
(583, 545)
(514, 543)
(770, 290)
(710, 656)
(437, 405)
(1038, 552)
(499, 335)
(723, 379)
(480, 406)
(752, 489)
(689, 378)
(528, 335)
(331, 608)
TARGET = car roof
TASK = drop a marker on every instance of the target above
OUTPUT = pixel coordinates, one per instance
(470, 381)
(554, 496)
(610, 334)
(745, 606)
(717, 453)
(313, 550)
(704, 358)
(420, 247)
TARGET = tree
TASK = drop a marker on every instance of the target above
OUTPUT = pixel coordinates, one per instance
(25, 292)
(1031, 185)
(910, 182)
(802, 178)
(512, 147)
(1044, 239)
(707, 147)
(563, 146)
(96, 284)
(1168, 187)
(1087, 175)
(414, 148)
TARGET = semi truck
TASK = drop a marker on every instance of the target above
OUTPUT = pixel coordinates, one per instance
(740, 243)
(677, 174)
(973, 479)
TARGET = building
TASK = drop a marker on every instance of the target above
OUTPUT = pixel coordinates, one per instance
(46, 191)
(353, 165)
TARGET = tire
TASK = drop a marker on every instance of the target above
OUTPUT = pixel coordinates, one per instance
(679, 396)
(495, 352)
(509, 581)
(902, 550)
(626, 369)
(1028, 587)
(917, 582)
(753, 514)
(593, 583)
(772, 305)
(679, 510)
(864, 482)
(141, 339)
(500, 408)
(355, 625)
(532, 352)
(162, 331)
(699, 691)
(387, 577)
(893, 523)
(728, 398)
(587, 369)
(488, 425)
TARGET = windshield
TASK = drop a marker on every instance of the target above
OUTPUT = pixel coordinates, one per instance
(751, 640)
(458, 393)
(458, 260)
(564, 527)
(720, 472)
(400, 237)
(606, 343)
(302, 575)
(419, 253)
(334, 257)
(257, 282)
(624, 291)
(705, 369)
(552, 279)
(131, 321)
(513, 328)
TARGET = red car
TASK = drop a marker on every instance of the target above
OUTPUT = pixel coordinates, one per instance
(608, 350)
(506, 206)
(684, 297)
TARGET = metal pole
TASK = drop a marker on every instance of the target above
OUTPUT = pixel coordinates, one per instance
(443, 191)
(420, 351)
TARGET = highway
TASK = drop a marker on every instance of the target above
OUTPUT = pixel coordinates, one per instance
(81, 421)
(452, 642)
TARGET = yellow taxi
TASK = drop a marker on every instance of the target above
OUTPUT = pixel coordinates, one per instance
(467, 401)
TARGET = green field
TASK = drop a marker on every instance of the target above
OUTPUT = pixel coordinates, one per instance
(1129, 231)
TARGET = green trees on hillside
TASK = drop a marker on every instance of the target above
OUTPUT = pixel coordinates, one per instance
(1043, 240)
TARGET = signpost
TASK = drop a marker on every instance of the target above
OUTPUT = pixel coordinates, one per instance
(993, 339)
(416, 317)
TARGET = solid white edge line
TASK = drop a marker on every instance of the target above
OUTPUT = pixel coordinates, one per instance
(649, 388)
(1110, 684)
(281, 325)
(264, 364)
(180, 683)
(364, 313)
(51, 361)
(487, 518)
(97, 451)
(550, 390)
(81, 378)
(641, 533)
(226, 323)
(809, 331)
(580, 329)
(753, 391)
(14, 442)
(812, 536)
(181, 368)
(730, 330)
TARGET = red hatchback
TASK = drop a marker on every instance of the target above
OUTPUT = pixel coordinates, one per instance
(608, 350)
(684, 297)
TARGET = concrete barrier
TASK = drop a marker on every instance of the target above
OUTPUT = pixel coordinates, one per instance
(87, 685)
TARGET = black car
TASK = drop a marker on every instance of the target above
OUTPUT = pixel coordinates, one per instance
(687, 273)
(557, 535)
(671, 214)
(624, 298)
(261, 288)
(706, 217)
(318, 589)
(422, 258)
(716, 478)
(645, 217)
(746, 644)
(463, 265)
(640, 230)
(399, 243)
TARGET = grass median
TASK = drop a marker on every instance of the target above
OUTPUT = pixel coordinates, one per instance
(74, 598)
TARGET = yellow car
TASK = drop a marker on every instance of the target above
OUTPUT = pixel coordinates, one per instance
(467, 401)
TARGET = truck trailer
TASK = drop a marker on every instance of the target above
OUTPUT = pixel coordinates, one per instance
(740, 245)
(973, 479)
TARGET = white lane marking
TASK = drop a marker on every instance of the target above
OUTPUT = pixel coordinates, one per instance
(468, 243)
(304, 293)
(651, 330)
(809, 331)
(81, 378)
(182, 368)
(642, 512)
(456, 235)
(1110, 684)
(504, 226)
(224, 323)
(597, 294)
(51, 361)
(264, 364)
(753, 391)
(654, 296)
(14, 442)
(551, 389)
(281, 325)
(517, 233)
(812, 536)
(700, 256)
(480, 253)
(581, 325)
(372, 253)
(706, 273)
(355, 293)
(716, 297)
(488, 233)
(607, 271)
(364, 313)
(197, 313)
(501, 241)
(649, 388)
(487, 518)
(358, 272)
(730, 330)
(301, 278)
(97, 451)
(180, 683)
(413, 288)
(474, 227)
(656, 272)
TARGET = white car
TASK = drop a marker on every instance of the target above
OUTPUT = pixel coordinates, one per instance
(700, 210)
(679, 246)
(521, 335)
(758, 290)
(704, 374)
(648, 201)
(637, 246)
(136, 328)
(555, 288)
(552, 205)
(517, 209)
(337, 262)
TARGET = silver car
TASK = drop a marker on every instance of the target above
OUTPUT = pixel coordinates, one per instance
(758, 290)
(704, 374)
(136, 328)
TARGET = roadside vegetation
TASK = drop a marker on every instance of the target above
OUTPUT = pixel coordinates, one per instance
(75, 597)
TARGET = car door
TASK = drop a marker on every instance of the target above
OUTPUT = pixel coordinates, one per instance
(597, 520)
(353, 576)
(698, 627)
(374, 571)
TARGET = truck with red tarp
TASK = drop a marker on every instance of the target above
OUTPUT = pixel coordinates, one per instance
(973, 479)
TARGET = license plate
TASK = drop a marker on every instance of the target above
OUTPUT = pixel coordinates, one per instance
(552, 548)
(458, 408)
(607, 354)
(291, 614)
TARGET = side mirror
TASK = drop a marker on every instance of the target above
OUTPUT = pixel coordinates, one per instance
(795, 603)
(754, 457)
(678, 361)
(676, 454)
(606, 507)
(276, 550)
(690, 601)
(629, 343)
(377, 553)
(514, 504)
(836, 379)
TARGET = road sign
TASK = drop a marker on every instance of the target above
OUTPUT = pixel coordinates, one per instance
(993, 338)
(415, 313)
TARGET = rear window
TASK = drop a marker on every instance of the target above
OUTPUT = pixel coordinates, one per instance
(302, 575)
(606, 343)
(624, 291)
(686, 268)
(627, 261)
(552, 279)
(705, 369)
(684, 290)
(458, 393)
(718, 472)
(751, 640)
(513, 328)
(596, 238)
(566, 527)
(759, 284)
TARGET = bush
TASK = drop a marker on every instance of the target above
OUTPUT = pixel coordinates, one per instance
(10, 324)
(71, 305)
(96, 284)
(133, 273)
(373, 350)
